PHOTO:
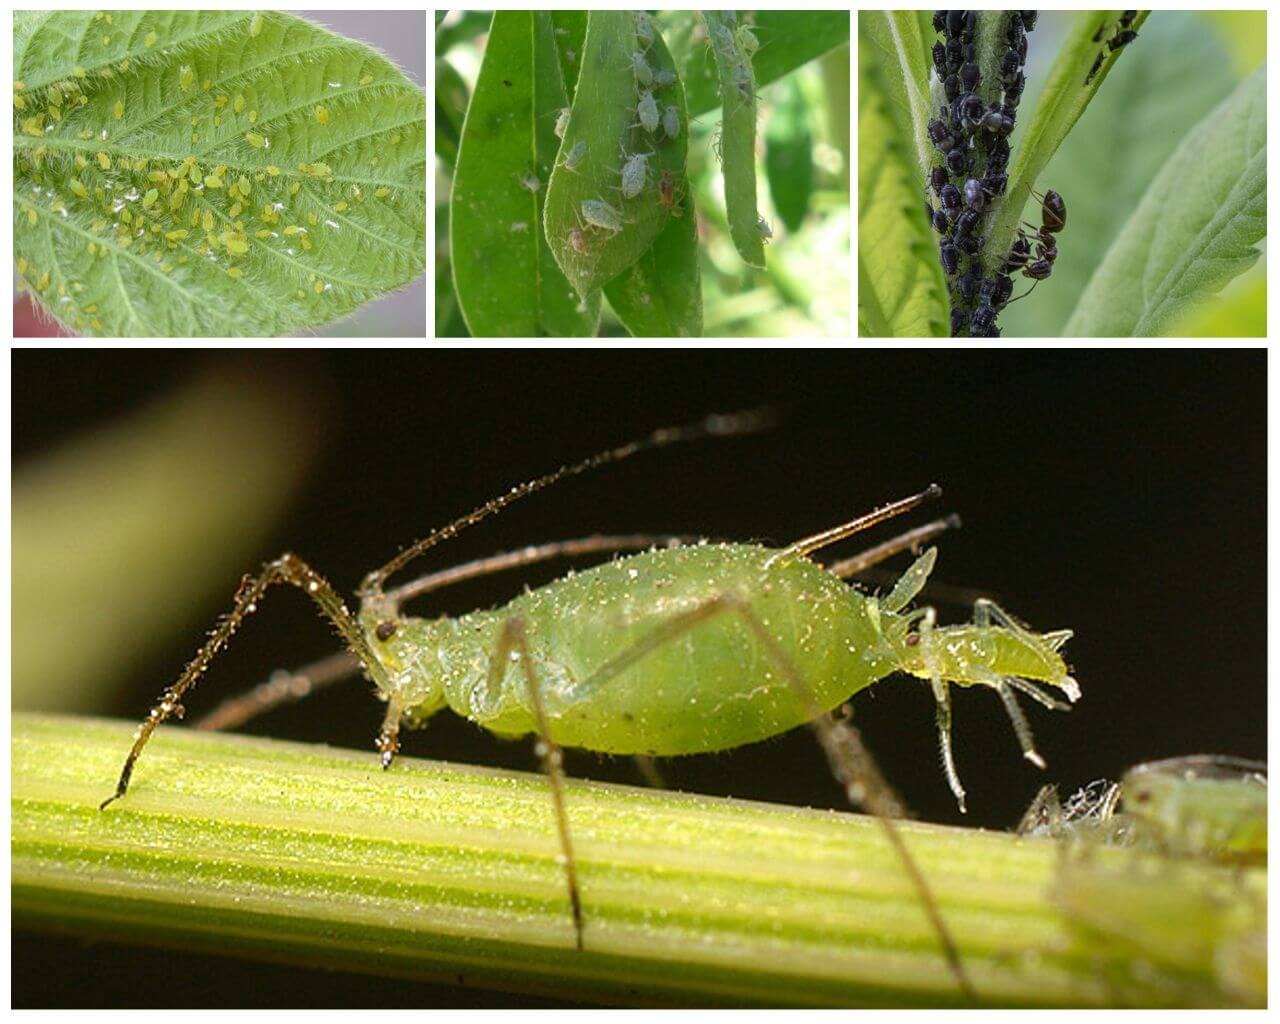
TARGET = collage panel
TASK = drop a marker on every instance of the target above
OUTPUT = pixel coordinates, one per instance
(662, 614)
(1109, 167)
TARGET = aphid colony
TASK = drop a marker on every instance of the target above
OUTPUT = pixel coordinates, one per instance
(192, 212)
(1123, 37)
(971, 136)
(659, 124)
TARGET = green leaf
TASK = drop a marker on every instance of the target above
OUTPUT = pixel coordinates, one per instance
(211, 173)
(468, 25)
(1062, 102)
(1194, 230)
(788, 40)
(737, 136)
(451, 110)
(571, 33)
(660, 295)
(788, 155)
(508, 284)
(605, 122)
(1239, 312)
(893, 54)
(901, 290)
(1131, 128)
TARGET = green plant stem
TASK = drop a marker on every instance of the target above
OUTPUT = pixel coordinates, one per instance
(309, 855)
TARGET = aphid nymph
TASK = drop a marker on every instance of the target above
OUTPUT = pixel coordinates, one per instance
(600, 214)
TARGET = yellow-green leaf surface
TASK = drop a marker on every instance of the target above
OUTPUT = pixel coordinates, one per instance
(211, 173)
(1195, 229)
(893, 53)
(901, 291)
(312, 856)
(606, 124)
(506, 278)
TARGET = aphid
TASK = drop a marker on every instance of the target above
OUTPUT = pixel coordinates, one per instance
(938, 179)
(600, 214)
(663, 78)
(574, 157)
(939, 21)
(322, 115)
(970, 76)
(635, 174)
(578, 239)
(982, 320)
(971, 110)
(667, 192)
(255, 140)
(951, 87)
(1121, 39)
(519, 227)
(950, 197)
(255, 25)
(185, 77)
(957, 162)
(966, 222)
(937, 218)
(955, 22)
(718, 607)
(1013, 88)
(644, 29)
(1127, 17)
(764, 228)
(940, 61)
(968, 244)
(671, 122)
(562, 121)
(529, 181)
(949, 256)
(647, 111)
(974, 197)
(1029, 19)
(967, 285)
(1097, 66)
(747, 41)
(640, 67)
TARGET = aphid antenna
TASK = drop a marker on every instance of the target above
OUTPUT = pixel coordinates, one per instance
(750, 421)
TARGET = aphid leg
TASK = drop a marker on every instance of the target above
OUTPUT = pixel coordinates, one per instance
(942, 700)
(511, 641)
(388, 742)
(850, 760)
(1021, 727)
(648, 769)
(290, 569)
(282, 687)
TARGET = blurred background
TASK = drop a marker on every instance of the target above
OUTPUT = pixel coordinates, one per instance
(402, 36)
(803, 180)
(1118, 493)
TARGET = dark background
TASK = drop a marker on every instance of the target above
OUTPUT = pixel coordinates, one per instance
(1121, 494)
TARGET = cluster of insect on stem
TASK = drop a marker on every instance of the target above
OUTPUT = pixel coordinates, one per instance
(735, 46)
(1124, 35)
(971, 138)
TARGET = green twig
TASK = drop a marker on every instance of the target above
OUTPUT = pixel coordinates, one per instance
(310, 855)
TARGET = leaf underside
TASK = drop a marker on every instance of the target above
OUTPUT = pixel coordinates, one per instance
(196, 173)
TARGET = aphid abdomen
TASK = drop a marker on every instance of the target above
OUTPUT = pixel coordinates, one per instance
(710, 687)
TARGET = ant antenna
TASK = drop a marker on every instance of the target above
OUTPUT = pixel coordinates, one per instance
(1024, 294)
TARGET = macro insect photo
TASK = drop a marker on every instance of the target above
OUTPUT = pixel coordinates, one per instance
(666, 565)
(653, 174)
(1109, 167)
(219, 173)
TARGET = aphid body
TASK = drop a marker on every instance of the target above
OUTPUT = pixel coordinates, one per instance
(671, 121)
(600, 214)
(635, 174)
(562, 121)
(647, 111)
(574, 157)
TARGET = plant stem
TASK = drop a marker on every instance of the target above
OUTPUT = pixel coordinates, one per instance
(303, 854)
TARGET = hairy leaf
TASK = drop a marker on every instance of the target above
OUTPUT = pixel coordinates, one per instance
(893, 53)
(605, 131)
(1194, 230)
(660, 295)
(1131, 128)
(507, 281)
(737, 136)
(1062, 102)
(788, 39)
(211, 173)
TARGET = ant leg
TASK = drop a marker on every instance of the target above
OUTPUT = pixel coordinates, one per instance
(290, 569)
(942, 703)
(851, 762)
(1024, 294)
(282, 687)
(512, 640)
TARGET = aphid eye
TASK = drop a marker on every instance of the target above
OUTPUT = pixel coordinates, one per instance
(385, 630)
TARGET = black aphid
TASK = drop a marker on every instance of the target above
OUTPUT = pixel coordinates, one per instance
(968, 244)
(1121, 39)
(951, 87)
(949, 256)
(1126, 18)
(1097, 66)
(938, 178)
(955, 22)
(974, 197)
(1019, 254)
(950, 196)
(970, 76)
(940, 61)
(1029, 19)
(938, 219)
(957, 162)
(966, 221)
